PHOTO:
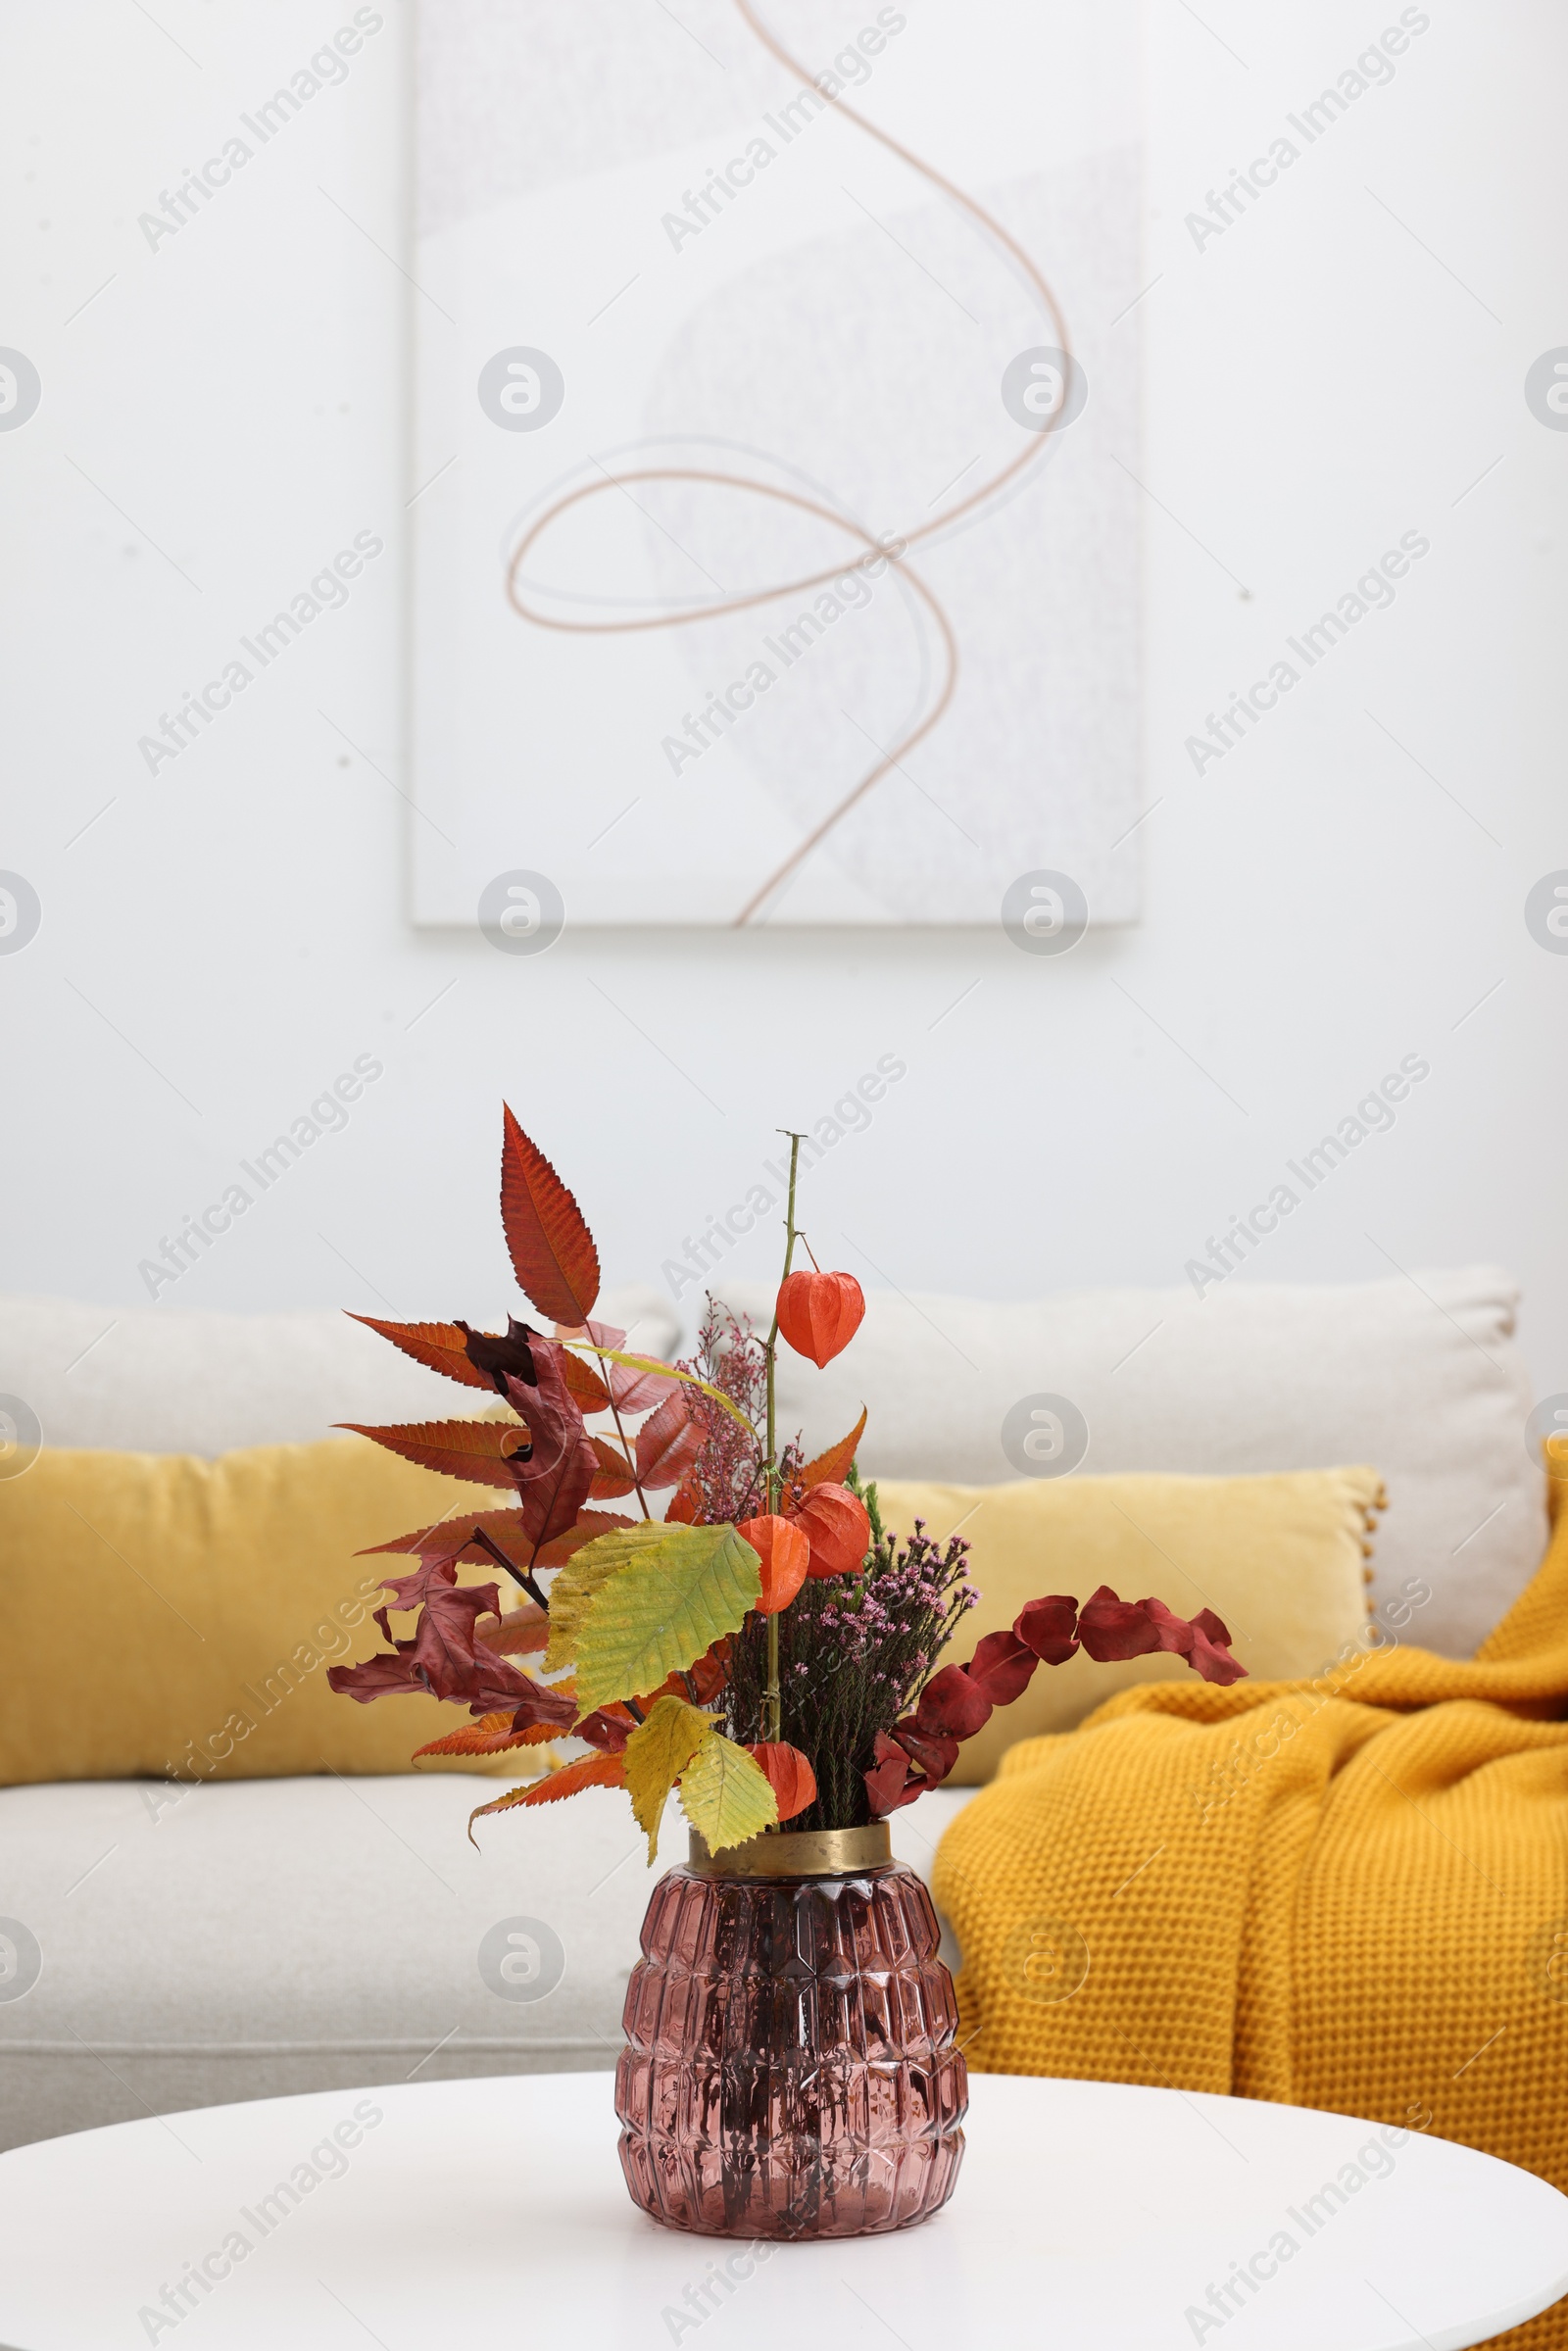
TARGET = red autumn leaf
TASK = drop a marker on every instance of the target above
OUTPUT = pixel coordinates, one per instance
(633, 1391)
(491, 1735)
(1003, 1666)
(438, 1345)
(613, 1474)
(685, 1505)
(444, 1645)
(474, 1450)
(785, 1555)
(1048, 1627)
(496, 1683)
(454, 1538)
(588, 1526)
(951, 1705)
(587, 1388)
(788, 1773)
(413, 1591)
(555, 1473)
(552, 1254)
(833, 1466)
(522, 1633)
(836, 1524)
(669, 1442)
(588, 1771)
(819, 1313)
(698, 1684)
(608, 1728)
(386, 1675)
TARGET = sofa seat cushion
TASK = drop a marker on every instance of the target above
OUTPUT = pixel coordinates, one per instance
(162, 1949)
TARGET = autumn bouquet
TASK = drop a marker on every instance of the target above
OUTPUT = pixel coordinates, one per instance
(765, 1650)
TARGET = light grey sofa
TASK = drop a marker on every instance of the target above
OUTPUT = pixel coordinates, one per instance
(163, 1949)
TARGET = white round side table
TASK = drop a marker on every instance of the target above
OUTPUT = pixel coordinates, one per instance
(1088, 2215)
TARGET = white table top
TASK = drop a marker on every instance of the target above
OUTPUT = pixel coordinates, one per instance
(1088, 2215)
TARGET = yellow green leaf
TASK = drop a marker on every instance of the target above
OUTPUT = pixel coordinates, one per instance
(648, 1601)
(576, 1586)
(665, 1371)
(725, 1795)
(658, 1752)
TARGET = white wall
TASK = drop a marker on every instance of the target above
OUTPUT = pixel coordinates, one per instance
(223, 939)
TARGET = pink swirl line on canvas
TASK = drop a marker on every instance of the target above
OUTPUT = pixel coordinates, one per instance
(757, 488)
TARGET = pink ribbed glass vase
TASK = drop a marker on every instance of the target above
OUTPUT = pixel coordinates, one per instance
(790, 2069)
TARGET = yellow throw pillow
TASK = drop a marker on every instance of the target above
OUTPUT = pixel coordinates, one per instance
(1282, 1560)
(161, 1613)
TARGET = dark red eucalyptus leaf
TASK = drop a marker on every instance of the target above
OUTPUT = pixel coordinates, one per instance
(935, 1752)
(953, 1705)
(1112, 1629)
(669, 1442)
(887, 1783)
(1047, 1627)
(552, 1254)
(1004, 1666)
(438, 1345)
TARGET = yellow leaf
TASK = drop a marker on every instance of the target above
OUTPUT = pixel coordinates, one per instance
(725, 1795)
(665, 1371)
(647, 1602)
(658, 1752)
(576, 1586)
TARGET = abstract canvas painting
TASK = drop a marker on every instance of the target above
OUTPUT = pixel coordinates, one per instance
(776, 433)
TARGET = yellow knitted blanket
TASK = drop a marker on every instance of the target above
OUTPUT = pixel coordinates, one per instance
(1348, 1893)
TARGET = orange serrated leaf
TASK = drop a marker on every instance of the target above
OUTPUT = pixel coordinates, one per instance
(439, 1346)
(588, 1771)
(552, 1254)
(830, 1468)
(491, 1735)
(516, 1634)
(474, 1449)
(583, 1383)
(590, 1525)
(452, 1537)
(614, 1475)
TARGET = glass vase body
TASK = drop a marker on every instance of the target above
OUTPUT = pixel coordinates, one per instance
(790, 2069)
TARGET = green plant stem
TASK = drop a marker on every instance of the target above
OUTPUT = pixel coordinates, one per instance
(771, 1705)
